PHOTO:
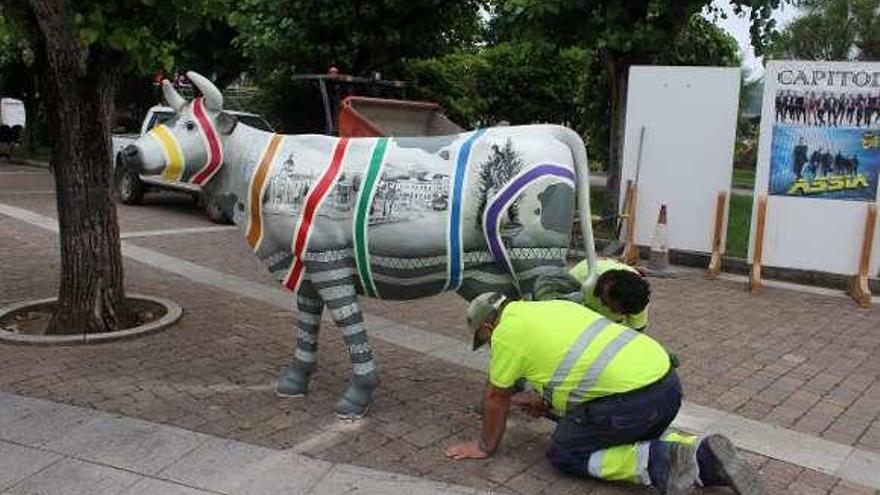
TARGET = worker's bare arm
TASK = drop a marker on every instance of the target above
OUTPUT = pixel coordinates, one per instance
(496, 404)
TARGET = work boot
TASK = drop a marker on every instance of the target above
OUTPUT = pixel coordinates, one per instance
(721, 464)
(356, 401)
(681, 468)
(293, 381)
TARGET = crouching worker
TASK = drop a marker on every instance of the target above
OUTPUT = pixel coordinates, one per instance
(621, 294)
(612, 391)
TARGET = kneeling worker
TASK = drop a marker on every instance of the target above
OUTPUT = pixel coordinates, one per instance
(621, 294)
(612, 391)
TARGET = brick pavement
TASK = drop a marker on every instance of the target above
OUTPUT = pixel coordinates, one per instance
(805, 362)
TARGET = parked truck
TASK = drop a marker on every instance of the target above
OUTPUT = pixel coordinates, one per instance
(130, 186)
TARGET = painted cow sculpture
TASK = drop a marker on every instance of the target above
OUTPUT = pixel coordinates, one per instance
(396, 218)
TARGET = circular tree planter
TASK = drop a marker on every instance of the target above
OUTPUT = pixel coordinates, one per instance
(167, 313)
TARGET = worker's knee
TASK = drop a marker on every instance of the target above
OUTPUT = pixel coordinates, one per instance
(568, 461)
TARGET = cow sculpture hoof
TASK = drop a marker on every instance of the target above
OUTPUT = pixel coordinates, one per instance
(292, 382)
(356, 401)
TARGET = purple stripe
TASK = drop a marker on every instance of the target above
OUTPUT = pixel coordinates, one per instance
(506, 195)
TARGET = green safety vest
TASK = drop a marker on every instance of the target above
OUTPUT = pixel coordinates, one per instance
(571, 354)
(579, 272)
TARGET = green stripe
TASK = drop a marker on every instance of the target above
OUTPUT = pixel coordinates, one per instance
(361, 218)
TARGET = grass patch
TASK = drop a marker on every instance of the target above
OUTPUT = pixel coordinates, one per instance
(739, 223)
(42, 153)
(743, 178)
(604, 229)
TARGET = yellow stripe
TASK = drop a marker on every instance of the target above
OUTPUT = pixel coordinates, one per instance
(174, 169)
(255, 203)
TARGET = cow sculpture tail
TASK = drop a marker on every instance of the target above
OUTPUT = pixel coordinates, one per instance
(579, 153)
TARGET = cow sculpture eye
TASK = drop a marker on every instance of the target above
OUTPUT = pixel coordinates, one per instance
(190, 126)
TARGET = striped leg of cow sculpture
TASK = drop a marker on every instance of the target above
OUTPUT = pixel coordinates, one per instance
(394, 218)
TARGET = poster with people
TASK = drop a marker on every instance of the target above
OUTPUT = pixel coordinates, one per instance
(826, 135)
(818, 162)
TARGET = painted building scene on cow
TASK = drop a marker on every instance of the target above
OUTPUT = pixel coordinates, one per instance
(391, 217)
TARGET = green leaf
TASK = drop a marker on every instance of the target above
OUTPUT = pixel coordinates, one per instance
(89, 35)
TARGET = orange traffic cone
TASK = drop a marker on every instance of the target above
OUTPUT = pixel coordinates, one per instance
(658, 263)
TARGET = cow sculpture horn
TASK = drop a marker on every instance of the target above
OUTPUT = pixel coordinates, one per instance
(173, 98)
(213, 97)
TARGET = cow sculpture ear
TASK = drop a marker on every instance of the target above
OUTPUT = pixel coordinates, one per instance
(226, 123)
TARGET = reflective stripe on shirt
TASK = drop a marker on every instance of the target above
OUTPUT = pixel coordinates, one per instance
(607, 355)
(571, 357)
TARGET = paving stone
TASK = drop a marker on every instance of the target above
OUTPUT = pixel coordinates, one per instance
(54, 420)
(72, 477)
(344, 479)
(127, 443)
(150, 486)
(18, 463)
(233, 467)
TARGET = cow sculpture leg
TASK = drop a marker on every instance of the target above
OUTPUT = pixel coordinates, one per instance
(294, 380)
(341, 298)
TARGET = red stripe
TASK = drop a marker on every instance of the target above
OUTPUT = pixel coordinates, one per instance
(311, 206)
(215, 154)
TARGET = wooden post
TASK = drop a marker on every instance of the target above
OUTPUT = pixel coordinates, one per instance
(715, 262)
(630, 253)
(858, 287)
(755, 278)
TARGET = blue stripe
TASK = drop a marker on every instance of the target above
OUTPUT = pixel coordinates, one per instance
(455, 254)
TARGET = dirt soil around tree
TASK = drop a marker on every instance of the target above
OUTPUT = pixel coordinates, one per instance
(33, 320)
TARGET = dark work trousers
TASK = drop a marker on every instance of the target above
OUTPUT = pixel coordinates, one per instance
(636, 416)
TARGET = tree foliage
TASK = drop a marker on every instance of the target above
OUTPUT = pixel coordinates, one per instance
(357, 37)
(621, 34)
(831, 30)
(517, 82)
(288, 37)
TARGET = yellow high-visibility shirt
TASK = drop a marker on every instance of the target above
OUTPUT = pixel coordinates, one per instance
(579, 272)
(571, 354)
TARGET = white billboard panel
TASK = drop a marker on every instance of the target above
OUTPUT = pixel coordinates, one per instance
(689, 119)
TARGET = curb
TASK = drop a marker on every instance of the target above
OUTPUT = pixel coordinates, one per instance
(173, 313)
(27, 162)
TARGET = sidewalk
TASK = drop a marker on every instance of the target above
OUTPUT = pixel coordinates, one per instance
(792, 376)
(52, 448)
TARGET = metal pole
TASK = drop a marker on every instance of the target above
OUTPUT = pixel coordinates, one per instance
(639, 156)
(328, 117)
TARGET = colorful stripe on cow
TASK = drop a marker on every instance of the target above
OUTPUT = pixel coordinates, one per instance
(311, 203)
(362, 216)
(256, 190)
(171, 149)
(212, 144)
(454, 242)
(502, 200)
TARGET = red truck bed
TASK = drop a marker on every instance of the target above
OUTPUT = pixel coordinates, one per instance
(360, 116)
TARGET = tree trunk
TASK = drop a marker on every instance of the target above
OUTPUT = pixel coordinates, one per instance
(79, 85)
(618, 69)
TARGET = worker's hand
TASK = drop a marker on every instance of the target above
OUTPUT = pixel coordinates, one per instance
(531, 405)
(466, 450)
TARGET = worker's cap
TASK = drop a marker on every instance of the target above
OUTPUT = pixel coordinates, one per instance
(481, 309)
